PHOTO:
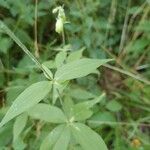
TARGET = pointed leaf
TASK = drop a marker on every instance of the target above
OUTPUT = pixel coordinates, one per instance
(60, 57)
(75, 55)
(68, 107)
(28, 98)
(87, 138)
(50, 64)
(83, 115)
(52, 137)
(19, 125)
(19, 144)
(114, 106)
(78, 68)
(48, 73)
(90, 103)
(101, 118)
(81, 111)
(79, 93)
(47, 113)
(63, 141)
(57, 139)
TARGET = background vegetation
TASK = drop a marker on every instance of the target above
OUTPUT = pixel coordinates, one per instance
(103, 29)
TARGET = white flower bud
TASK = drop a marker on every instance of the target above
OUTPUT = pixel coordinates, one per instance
(61, 19)
(59, 26)
(55, 11)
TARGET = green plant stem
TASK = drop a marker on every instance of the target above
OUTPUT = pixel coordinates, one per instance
(134, 76)
(63, 37)
(6, 30)
(111, 18)
(35, 30)
(125, 26)
(135, 35)
(3, 70)
(133, 17)
(118, 123)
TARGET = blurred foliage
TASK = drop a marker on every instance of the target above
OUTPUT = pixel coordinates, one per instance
(105, 29)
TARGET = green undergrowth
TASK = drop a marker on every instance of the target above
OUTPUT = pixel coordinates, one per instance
(74, 75)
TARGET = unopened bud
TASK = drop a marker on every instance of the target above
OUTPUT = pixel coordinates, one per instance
(59, 26)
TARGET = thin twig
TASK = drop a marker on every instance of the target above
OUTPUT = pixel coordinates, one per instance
(123, 35)
(141, 58)
(134, 76)
(35, 29)
(111, 18)
(136, 33)
(132, 18)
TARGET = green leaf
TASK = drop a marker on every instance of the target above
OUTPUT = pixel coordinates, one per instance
(19, 144)
(114, 106)
(5, 44)
(48, 72)
(77, 147)
(63, 141)
(138, 45)
(55, 93)
(78, 68)
(50, 64)
(144, 26)
(75, 55)
(91, 103)
(58, 139)
(19, 125)
(101, 118)
(52, 137)
(68, 107)
(27, 99)
(5, 134)
(57, 89)
(79, 93)
(47, 113)
(4, 4)
(87, 138)
(81, 111)
(60, 58)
